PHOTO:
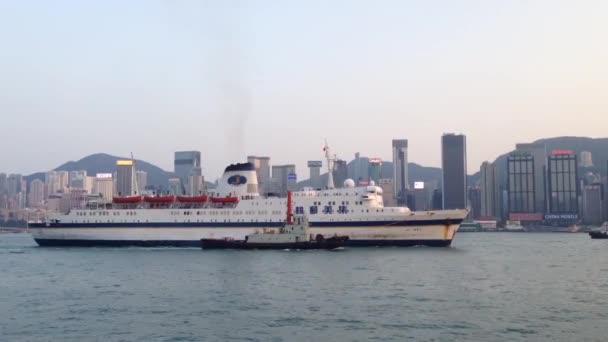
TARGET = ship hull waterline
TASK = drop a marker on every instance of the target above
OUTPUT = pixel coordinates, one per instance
(439, 235)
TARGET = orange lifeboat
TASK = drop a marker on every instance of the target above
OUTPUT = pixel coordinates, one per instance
(192, 199)
(126, 199)
(159, 199)
(224, 200)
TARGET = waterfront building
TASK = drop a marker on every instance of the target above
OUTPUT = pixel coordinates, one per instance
(36, 194)
(315, 173)
(489, 190)
(474, 193)
(454, 171)
(262, 168)
(520, 183)
(563, 183)
(538, 151)
(419, 198)
(400, 167)
(593, 204)
(125, 178)
(437, 199)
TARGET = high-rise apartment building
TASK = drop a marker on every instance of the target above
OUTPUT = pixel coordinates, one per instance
(103, 185)
(315, 173)
(400, 167)
(454, 171)
(125, 178)
(36, 194)
(488, 186)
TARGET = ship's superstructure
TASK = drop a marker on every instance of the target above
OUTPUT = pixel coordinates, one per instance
(235, 209)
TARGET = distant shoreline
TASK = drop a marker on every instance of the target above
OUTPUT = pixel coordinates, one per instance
(13, 230)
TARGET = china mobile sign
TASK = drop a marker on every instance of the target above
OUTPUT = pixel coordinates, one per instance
(567, 216)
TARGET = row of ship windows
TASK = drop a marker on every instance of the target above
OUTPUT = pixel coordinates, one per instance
(224, 213)
(105, 213)
(343, 203)
(312, 210)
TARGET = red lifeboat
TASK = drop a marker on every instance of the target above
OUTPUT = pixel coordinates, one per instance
(159, 199)
(126, 199)
(192, 199)
(224, 200)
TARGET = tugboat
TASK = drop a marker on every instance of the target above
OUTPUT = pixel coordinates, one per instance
(602, 233)
(294, 234)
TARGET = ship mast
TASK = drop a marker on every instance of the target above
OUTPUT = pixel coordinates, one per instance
(330, 177)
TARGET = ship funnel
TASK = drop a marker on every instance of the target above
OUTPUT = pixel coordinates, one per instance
(289, 219)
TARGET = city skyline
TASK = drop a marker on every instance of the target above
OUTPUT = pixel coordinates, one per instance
(160, 77)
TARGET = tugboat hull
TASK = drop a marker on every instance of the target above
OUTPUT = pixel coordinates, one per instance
(598, 235)
(329, 243)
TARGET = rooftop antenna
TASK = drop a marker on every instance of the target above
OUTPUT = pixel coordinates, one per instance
(330, 177)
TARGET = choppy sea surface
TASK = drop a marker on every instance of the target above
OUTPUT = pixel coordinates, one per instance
(486, 287)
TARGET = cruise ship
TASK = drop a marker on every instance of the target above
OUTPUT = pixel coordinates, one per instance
(235, 209)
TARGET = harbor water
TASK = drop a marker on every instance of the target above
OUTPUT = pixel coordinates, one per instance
(486, 287)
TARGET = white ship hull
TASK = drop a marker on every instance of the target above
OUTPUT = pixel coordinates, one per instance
(430, 235)
(354, 211)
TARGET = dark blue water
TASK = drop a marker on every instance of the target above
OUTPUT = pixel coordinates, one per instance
(487, 287)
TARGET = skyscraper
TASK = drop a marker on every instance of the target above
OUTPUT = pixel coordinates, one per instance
(315, 173)
(454, 171)
(474, 193)
(563, 182)
(125, 178)
(520, 183)
(284, 178)
(538, 152)
(184, 163)
(489, 190)
(400, 167)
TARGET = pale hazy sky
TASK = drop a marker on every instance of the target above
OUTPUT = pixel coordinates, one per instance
(276, 78)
